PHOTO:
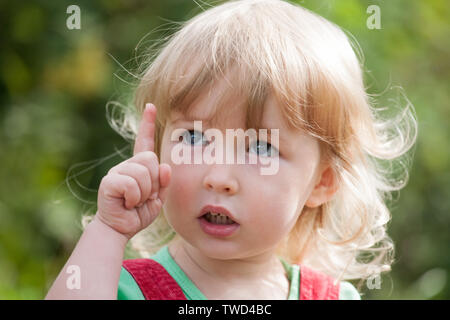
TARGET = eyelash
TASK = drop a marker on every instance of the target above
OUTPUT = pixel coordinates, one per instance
(181, 139)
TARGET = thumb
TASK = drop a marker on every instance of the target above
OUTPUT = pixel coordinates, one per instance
(165, 174)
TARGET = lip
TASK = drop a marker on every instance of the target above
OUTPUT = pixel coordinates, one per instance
(218, 230)
(217, 209)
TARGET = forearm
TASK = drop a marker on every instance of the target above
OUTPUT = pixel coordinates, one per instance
(98, 257)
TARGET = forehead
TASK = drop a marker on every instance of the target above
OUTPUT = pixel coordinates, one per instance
(213, 102)
(218, 107)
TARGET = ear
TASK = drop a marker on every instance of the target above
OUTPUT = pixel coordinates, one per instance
(325, 188)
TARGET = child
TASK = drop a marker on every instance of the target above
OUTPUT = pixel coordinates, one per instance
(226, 231)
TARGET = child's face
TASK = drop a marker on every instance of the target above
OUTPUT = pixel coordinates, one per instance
(265, 206)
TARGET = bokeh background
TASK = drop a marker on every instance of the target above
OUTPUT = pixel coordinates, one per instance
(57, 144)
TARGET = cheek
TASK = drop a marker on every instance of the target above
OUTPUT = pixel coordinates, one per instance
(277, 198)
(281, 187)
(277, 213)
(182, 189)
(183, 183)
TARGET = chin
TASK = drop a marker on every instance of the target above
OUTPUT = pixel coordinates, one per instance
(217, 248)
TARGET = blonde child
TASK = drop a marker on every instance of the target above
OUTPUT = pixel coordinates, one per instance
(298, 233)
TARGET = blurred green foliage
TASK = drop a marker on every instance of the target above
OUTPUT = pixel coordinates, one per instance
(56, 143)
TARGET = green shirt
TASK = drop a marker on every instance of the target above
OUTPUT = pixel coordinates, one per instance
(129, 290)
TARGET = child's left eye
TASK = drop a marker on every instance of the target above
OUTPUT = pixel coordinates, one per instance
(264, 148)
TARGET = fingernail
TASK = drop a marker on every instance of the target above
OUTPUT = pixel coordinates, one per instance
(154, 196)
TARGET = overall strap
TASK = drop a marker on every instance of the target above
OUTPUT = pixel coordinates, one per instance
(316, 285)
(153, 280)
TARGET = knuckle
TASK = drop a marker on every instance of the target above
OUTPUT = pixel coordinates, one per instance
(116, 168)
(132, 190)
(129, 183)
(149, 156)
(106, 180)
(142, 170)
(139, 173)
(107, 185)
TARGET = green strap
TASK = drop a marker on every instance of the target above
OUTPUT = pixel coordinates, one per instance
(128, 288)
(189, 289)
(348, 292)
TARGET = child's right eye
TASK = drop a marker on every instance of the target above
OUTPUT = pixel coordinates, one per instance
(193, 137)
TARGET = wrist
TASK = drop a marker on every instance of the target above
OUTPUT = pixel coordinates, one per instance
(108, 232)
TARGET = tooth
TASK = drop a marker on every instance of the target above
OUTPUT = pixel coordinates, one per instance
(218, 218)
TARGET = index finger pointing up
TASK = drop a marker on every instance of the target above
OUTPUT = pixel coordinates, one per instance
(145, 139)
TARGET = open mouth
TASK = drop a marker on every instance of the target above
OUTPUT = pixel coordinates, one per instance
(217, 218)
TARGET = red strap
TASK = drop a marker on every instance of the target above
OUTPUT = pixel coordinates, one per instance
(315, 285)
(153, 280)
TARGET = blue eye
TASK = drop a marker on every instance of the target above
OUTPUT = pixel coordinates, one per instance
(264, 148)
(193, 137)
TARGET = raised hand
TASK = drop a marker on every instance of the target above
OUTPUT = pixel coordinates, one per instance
(131, 195)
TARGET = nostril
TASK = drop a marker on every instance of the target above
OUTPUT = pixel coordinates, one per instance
(228, 187)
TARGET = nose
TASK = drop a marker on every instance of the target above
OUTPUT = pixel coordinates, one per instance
(219, 179)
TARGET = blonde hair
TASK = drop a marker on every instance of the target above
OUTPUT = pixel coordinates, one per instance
(313, 69)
